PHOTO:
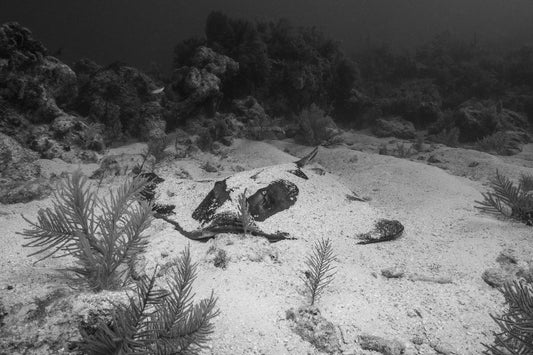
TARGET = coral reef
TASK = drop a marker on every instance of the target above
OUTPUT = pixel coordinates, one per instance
(198, 84)
(121, 98)
(394, 127)
(33, 83)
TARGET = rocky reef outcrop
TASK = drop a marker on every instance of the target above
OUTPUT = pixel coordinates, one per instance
(476, 119)
(37, 94)
(198, 86)
(122, 98)
(32, 83)
(394, 127)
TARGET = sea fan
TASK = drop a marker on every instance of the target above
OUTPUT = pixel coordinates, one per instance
(516, 325)
(129, 331)
(179, 325)
(319, 273)
(508, 199)
(156, 321)
(104, 244)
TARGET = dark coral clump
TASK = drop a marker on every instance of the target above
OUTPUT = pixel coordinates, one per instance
(18, 46)
(120, 97)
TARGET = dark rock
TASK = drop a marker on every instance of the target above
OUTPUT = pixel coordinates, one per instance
(18, 46)
(475, 122)
(259, 125)
(394, 127)
(11, 152)
(381, 345)
(17, 162)
(417, 339)
(14, 123)
(63, 124)
(249, 109)
(479, 119)
(121, 98)
(206, 131)
(84, 69)
(32, 82)
(291, 131)
(59, 79)
(25, 192)
(417, 101)
(276, 197)
(48, 147)
(261, 133)
(22, 171)
(199, 90)
(152, 124)
(393, 272)
(218, 64)
(315, 127)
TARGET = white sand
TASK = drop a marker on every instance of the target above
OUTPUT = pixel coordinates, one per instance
(444, 236)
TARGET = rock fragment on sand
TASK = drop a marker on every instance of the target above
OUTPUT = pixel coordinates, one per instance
(309, 324)
(381, 345)
(394, 272)
(444, 348)
(497, 277)
(509, 269)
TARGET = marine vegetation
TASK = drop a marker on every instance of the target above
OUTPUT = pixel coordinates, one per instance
(515, 335)
(320, 271)
(157, 321)
(103, 235)
(244, 212)
(506, 198)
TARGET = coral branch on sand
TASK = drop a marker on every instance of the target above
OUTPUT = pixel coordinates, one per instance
(102, 244)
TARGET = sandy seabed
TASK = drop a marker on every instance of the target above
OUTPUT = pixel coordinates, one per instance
(445, 237)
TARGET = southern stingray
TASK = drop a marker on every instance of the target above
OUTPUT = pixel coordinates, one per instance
(286, 201)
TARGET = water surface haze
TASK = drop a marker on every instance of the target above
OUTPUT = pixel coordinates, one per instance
(140, 32)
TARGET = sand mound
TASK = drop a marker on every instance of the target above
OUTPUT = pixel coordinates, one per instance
(320, 198)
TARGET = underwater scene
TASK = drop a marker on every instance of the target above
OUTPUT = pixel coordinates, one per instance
(266, 177)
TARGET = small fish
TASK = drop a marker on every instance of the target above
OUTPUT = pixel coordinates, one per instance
(158, 91)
